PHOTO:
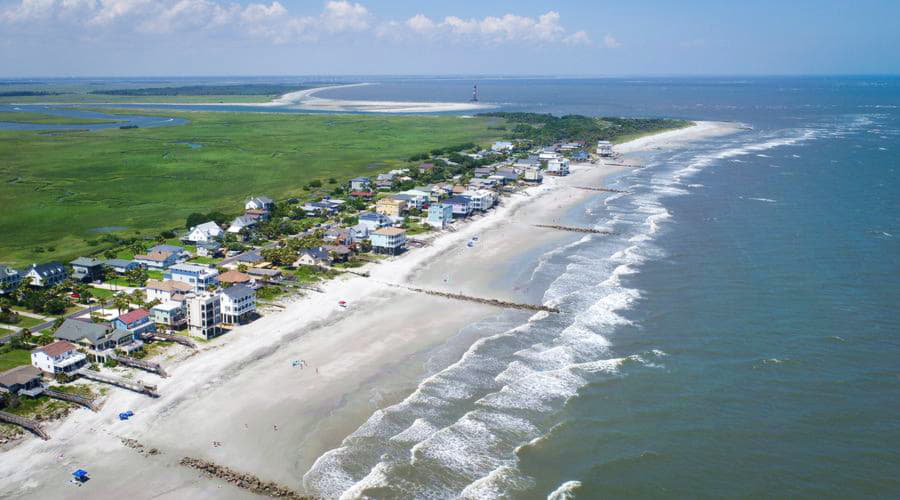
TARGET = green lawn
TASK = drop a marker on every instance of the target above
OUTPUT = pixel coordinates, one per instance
(58, 190)
(14, 358)
(204, 260)
(48, 119)
(27, 322)
(101, 293)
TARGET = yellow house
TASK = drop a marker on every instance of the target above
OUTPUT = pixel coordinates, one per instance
(390, 207)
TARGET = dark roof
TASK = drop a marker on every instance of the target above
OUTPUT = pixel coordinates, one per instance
(251, 256)
(238, 291)
(74, 330)
(458, 199)
(167, 248)
(119, 263)
(19, 375)
(316, 253)
(47, 269)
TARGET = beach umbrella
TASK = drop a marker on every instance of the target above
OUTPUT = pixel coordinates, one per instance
(80, 474)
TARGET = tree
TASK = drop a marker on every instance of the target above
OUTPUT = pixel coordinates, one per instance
(332, 180)
(315, 183)
(138, 297)
(242, 268)
(195, 219)
(137, 276)
(121, 302)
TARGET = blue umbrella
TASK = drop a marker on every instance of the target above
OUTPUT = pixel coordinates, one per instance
(80, 474)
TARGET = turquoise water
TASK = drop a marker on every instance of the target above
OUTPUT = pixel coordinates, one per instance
(737, 337)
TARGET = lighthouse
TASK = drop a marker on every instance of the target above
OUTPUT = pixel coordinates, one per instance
(474, 94)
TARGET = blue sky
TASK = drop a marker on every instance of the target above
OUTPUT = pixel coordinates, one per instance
(524, 37)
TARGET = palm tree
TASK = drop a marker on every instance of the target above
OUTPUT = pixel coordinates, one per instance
(138, 297)
(121, 302)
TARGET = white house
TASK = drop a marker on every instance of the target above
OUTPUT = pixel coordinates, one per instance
(170, 314)
(462, 205)
(208, 231)
(241, 222)
(199, 277)
(259, 203)
(238, 304)
(481, 199)
(45, 275)
(558, 166)
(604, 148)
(502, 146)
(361, 184)
(534, 175)
(548, 155)
(156, 260)
(204, 314)
(373, 220)
(313, 257)
(164, 291)
(417, 198)
(61, 356)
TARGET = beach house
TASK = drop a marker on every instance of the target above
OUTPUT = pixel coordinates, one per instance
(120, 266)
(558, 166)
(22, 380)
(604, 148)
(45, 275)
(360, 184)
(165, 291)
(206, 232)
(204, 314)
(439, 215)
(136, 322)
(388, 240)
(462, 205)
(86, 269)
(260, 203)
(502, 146)
(9, 279)
(230, 278)
(533, 175)
(156, 260)
(209, 249)
(313, 257)
(198, 276)
(391, 207)
(100, 339)
(238, 304)
(170, 314)
(481, 199)
(241, 223)
(58, 357)
(373, 220)
(180, 253)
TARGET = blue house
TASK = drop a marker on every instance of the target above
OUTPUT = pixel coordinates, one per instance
(374, 220)
(136, 322)
(462, 205)
(439, 215)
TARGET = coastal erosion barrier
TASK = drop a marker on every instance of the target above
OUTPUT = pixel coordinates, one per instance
(178, 339)
(242, 480)
(573, 229)
(480, 300)
(602, 190)
(72, 398)
(141, 364)
(136, 386)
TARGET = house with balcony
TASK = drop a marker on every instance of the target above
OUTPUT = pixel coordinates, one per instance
(166, 290)
(534, 175)
(388, 240)
(137, 322)
(22, 381)
(87, 269)
(204, 314)
(120, 266)
(461, 205)
(170, 314)
(156, 260)
(9, 279)
(558, 166)
(373, 220)
(100, 339)
(604, 148)
(481, 199)
(439, 215)
(238, 304)
(415, 198)
(391, 207)
(45, 275)
(58, 357)
(198, 276)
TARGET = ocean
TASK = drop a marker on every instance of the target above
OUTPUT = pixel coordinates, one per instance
(737, 336)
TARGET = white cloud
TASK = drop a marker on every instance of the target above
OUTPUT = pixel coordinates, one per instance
(611, 42)
(273, 21)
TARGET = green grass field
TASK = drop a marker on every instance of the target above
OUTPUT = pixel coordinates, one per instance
(45, 119)
(57, 191)
(14, 358)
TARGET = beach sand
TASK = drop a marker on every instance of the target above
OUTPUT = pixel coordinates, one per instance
(237, 389)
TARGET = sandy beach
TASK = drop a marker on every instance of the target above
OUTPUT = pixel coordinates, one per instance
(275, 419)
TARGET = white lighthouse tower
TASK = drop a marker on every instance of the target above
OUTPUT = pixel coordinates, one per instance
(474, 94)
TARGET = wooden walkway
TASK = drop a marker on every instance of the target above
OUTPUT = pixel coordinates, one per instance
(141, 364)
(132, 385)
(25, 423)
(178, 339)
(72, 398)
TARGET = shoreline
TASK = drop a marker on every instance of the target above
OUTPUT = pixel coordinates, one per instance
(369, 355)
(305, 100)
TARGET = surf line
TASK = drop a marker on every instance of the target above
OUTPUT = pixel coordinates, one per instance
(573, 229)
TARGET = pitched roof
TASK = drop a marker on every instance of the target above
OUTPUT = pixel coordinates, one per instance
(207, 227)
(167, 248)
(338, 249)
(251, 256)
(234, 277)
(168, 286)
(154, 256)
(316, 253)
(56, 348)
(86, 262)
(75, 330)
(118, 262)
(19, 375)
(46, 269)
(132, 316)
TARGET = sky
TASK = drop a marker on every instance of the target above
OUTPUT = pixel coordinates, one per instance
(71, 38)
